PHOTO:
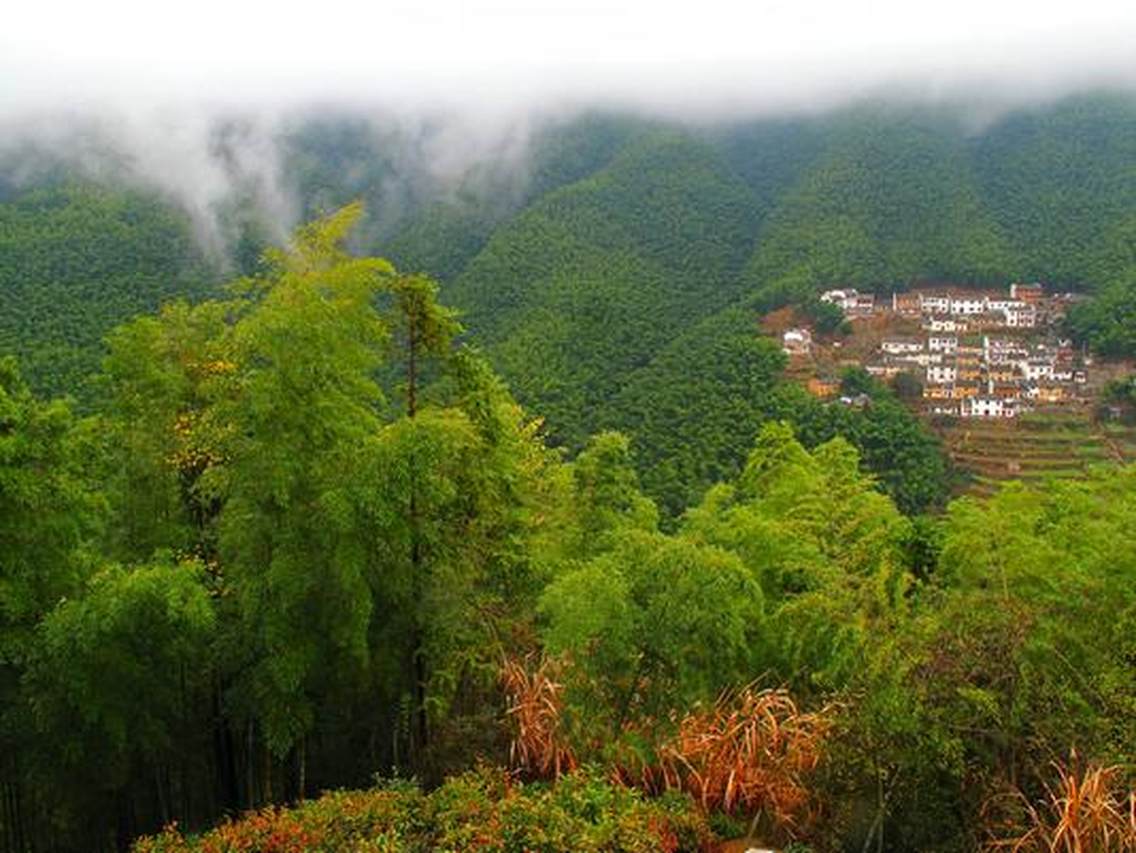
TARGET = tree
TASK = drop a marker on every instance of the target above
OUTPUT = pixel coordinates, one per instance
(650, 627)
(49, 515)
(116, 682)
(907, 385)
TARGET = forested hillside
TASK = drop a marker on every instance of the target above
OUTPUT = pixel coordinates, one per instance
(76, 260)
(613, 268)
(1060, 183)
(306, 539)
(891, 199)
(594, 279)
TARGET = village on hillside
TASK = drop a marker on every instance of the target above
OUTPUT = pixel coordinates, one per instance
(960, 352)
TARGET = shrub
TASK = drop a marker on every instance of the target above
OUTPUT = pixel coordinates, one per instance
(484, 810)
(749, 754)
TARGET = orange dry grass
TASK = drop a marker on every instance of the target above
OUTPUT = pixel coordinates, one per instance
(1087, 811)
(539, 747)
(748, 754)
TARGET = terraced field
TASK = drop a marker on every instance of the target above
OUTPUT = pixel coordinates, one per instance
(1061, 443)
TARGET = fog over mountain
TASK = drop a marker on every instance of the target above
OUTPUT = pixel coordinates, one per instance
(196, 99)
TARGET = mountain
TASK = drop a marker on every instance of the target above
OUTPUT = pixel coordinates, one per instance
(1061, 183)
(76, 260)
(593, 279)
(613, 268)
(891, 198)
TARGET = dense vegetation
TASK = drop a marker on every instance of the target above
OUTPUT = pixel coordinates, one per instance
(476, 811)
(617, 299)
(76, 260)
(611, 269)
(306, 530)
(891, 199)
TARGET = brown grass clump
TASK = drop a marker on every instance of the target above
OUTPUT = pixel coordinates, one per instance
(1088, 810)
(539, 747)
(748, 754)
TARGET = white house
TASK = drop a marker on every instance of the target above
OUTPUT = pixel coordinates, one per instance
(942, 343)
(839, 298)
(987, 407)
(945, 324)
(885, 371)
(850, 301)
(1034, 369)
(944, 409)
(941, 374)
(934, 303)
(1002, 350)
(968, 306)
(1021, 316)
(998, 303)
(797, 342)
(901, 346)
(918, 359)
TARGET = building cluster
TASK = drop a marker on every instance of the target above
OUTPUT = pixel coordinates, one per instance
(853, 303)
(984, 376)
(977, 355)
(981, 354)
(1024, 307)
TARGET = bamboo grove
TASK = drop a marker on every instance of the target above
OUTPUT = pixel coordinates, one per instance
(305, 531)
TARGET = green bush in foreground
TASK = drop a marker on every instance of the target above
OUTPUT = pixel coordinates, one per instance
(479, 810)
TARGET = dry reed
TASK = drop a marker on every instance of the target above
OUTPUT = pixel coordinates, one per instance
(747, 754)
(1088, 810)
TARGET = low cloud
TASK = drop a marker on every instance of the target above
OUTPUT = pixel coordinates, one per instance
(195, 99)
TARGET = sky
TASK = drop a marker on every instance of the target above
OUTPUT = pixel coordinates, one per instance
(697, 57)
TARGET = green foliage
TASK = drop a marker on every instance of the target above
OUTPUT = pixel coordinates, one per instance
(695, 409)
(1052, 572)
(824, 546)
(606, 495)
(592, 279)
(47, 509)
(905, 456)
(652, 626)
(78, 260)
(306, 523)
(1059, 182)
(1122, 390)
(1108, 322)
(483, 810)
(616, 278)
(48, 513)
(357, 496)
(890, 198)
(142, 632)
(826, 318)
(907, 385)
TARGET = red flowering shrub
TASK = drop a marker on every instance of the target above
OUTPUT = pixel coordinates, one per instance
(484, 810)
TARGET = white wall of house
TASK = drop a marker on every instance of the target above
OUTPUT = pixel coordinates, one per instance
(1032, 369)
(901, 347)
(935, 304)
(940, 374)
(1021, 318)
(986, 407)
(968, 305)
